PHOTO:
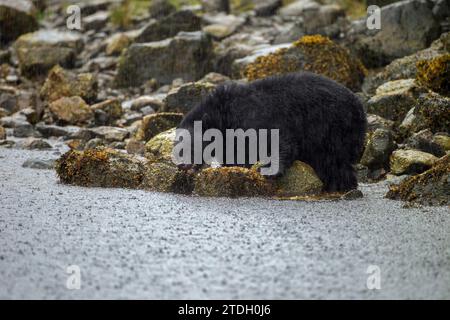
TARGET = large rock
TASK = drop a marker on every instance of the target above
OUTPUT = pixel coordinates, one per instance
(221, 26)
(410, 161)
(406, 27)
(406, 67)
(170, 26)
(297, 8)
(299, 180)
(435, 74)
(100, 167)
(108, 111)
(182, 99)
(159, 148)
(429, 188)
(431, 111)
(187, 56)
(73, 110)
(39, 51)
(16, 18)
(425, 141)
(163, 177)
(161, 8)
(154, 124)
(231, 182)
(311, 53)
(379, 147)
(62, 83)
(394, 99)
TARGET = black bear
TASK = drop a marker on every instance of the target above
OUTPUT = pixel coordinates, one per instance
(320, 122)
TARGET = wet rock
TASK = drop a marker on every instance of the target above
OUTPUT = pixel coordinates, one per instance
(31, 115)
(398, 36)
(100, 167)
(2, 133)
(16, 18)
(264, 8)
(63, 83)
(231, 182)
(94, 143)
(138, 104)
(36, 144)
(110, 134)
(23, 129)
(107, 112)
(8, 102)
(96, 21)
(429, 188)
(154, 124)
(435, 74)
(237, 46)
(376, 122)
(38, 52)
(311, 53)
(39, 164)
(216, 6)
(117, 43)
(215, 78)
(431, 112)
(406, 67)
(443, 140)
(424, 141)
(187, 56)
(379, 147)
(186, 97)
(297, 8)
(411, 161)
(73, 110)
(394, 99)
(352, 195)
(299, 180)
(161, 8)
(135, 147)
(159, 148)
(316, 18)
(163, 177)
(49, 130)
(170, 26)
(221, 26)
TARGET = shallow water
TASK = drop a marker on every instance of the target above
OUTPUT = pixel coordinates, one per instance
(137, 244)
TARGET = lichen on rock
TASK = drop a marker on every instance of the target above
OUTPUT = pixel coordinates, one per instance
(299, 180)
(314, 53)
(435, 74)
(164, 177)
(100, 167)
(231, 182)
(432, 187)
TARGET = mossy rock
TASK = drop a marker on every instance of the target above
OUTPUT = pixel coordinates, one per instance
(159, 148)
(154, 124)
(316, 54)
(73, 110)
(429, 188)
(163, 177)
(231, 182)
(62, 83)
(432, 111)
(410, 161)
(100, 167)
(299, 180)
(435, 74)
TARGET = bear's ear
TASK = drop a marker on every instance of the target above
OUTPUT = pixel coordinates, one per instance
(205, 119)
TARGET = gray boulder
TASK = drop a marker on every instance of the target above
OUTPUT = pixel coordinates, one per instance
(187, 56)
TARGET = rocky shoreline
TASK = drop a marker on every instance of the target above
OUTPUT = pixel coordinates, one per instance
(113, 91)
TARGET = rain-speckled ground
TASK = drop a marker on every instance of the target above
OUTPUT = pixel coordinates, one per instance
(136, 244)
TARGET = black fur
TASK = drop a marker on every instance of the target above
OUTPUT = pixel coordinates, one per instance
(321, 122)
